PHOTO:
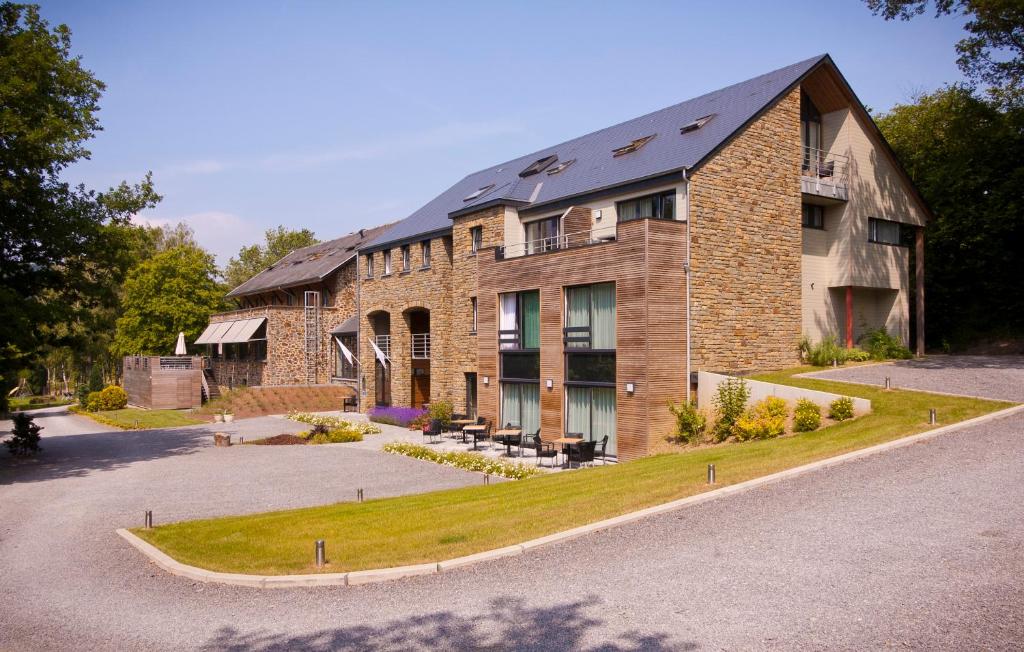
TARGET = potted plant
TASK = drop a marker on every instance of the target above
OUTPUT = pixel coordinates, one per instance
(218, 416)
(228, 417)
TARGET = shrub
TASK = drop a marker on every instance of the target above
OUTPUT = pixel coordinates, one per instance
(690, 422)
(441, 410)
(880, 345)
(841, 409)
(333, 436)
(467, 461)
(730, 400)
(824, 352)
(806, 416)
(110, 398)
(764, 420)
(332, 422)
(856, 355)
(395, 416)
(24, 440)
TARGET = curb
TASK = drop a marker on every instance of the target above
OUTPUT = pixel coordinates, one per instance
(354, 578)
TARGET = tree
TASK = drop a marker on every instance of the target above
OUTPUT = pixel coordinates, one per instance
(993, 51)
(61, 254)
(24, 439)
(966, 156)
(253, 260)
(175, 290)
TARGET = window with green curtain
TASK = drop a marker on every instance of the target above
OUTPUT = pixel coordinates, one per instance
(530, 311)
(590, 411)
(602, 320)
(577, 313)
(520, 406)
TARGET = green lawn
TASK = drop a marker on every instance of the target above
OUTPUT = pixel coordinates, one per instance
(445, 524)
(23, 403)
(139, 419)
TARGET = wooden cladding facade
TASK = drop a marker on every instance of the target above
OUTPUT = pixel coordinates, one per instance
(152, 385)
(646, 264)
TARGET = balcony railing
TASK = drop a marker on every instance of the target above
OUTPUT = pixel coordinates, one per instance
(554, 243)
(421, 346)
(825, 174)
(383, 343)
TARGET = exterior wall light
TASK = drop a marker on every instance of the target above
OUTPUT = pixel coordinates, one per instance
(550, 383)
(630, 388)
(487, 380)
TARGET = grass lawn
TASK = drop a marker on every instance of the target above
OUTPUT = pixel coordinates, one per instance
(445, 524)
(23, 403)
(138, 419)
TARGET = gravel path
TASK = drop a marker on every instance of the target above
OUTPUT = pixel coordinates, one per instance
(1000, 377)
(921, 547)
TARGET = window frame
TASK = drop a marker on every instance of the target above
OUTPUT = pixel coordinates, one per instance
(387, 262)
(406, 253)
(369, 265)
(873, 232)
(660, 207)
(340, 363)
(817, 211)
(476, 315)
(476, 238)
(425, 254)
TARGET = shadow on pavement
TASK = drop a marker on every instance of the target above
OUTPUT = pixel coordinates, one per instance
(508, 624)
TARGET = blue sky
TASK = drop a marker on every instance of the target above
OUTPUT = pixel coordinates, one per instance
(335, 116)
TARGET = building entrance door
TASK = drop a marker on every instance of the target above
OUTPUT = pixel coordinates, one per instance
(471, 395)
(420, 387)
(382, 383)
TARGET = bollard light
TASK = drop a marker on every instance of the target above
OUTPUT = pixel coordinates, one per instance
(359, 495)
(149, 519)
(933, 417)
(320, 556)
(241, 440)
(835, 363)
(487, 478)
(711, 474)
(888, 383)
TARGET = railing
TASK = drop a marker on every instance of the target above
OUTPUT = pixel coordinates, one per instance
(825, 173)
(554, 243)
(421, 346)
(178, 362)
(383, 343)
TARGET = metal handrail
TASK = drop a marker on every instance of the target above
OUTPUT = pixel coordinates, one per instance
(553, 243)
(421, 346)
(821, 164)
(383, 343)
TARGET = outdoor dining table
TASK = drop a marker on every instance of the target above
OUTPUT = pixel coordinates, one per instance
(460, 424)
(506, 435)
(566, 442)
(473, 429)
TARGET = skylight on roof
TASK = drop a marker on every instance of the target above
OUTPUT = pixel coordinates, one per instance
(561, 166)
(696, 124)
(539, 166)
(476, 193)
(633, 146)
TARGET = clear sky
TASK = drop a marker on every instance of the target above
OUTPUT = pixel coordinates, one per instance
(336, 116)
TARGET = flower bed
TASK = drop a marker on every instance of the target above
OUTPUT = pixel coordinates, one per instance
(396, 416)
(467, 461)
(335, 423)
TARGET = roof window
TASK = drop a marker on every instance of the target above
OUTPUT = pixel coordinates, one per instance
(476, 193)
(633, 146)
(561, 166)
(696, 124)
(539, 165)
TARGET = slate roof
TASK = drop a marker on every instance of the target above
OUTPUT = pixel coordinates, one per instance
(309, 264)
(595, 167)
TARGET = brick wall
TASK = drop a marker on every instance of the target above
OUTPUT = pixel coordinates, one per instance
(746, 238)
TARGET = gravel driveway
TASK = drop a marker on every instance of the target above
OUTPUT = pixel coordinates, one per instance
(921, 548)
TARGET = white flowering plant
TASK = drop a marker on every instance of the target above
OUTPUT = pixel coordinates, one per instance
(461, 460)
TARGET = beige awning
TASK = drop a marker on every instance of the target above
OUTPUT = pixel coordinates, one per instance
(231, 332)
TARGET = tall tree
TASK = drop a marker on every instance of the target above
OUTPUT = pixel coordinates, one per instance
(993, 52)
(966, 155)
(253, 260)
(174, 291)
(57, 257)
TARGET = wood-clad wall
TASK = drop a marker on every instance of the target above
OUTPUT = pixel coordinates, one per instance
(646, 264)
(150, 386)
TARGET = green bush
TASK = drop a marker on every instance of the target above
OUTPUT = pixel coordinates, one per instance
(823, 353)
(335, 436)
(690, 422)
(441, 410)
(841, 409)
(467, 461)
(764, 420)
(24, 440)
(730, 401)
(856, 355)
(110, 398)
(806, 416)
(880, 345)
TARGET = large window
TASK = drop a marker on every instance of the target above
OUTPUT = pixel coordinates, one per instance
(813, 217)
(542, 235)
(476, 236)
(884, 231)
(520, 406)
(661, 206)
(810, 133)
(589, 338)
(519, 342)
(519, 321)
(344, 368)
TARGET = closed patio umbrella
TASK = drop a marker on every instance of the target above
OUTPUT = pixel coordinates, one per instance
(180, 349)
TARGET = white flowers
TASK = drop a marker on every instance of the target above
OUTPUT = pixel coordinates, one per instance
(360, 427)
(461, 460)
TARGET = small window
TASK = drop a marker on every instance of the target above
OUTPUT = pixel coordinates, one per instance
(561, 166)
(387, 262)
(813, 216)
(476, 314)
(476, 193)
(425, 251)
(884, 231)
(369, 265)
(476, 234)
(633, 146)
(661, 206)
(538, 166)
(696, 124)
(406, 259)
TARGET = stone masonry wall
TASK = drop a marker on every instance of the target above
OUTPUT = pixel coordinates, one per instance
(746, 237)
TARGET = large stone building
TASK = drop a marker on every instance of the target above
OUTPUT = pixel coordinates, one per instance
(579, 288)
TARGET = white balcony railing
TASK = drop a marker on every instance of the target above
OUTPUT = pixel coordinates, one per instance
(383, 343)
(824, 173)
(563, 241)
(421, 346)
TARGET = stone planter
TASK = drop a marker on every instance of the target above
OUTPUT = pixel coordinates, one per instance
(218, 418)
(221, 439)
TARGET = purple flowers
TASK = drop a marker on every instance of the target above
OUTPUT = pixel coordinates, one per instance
(396, 416)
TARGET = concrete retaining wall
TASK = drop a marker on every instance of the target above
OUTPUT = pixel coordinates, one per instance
(707, 385)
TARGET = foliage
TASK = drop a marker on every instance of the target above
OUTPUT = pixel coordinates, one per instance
(332, 422)
(24, 440)
(841, 409)
(964, 155)
(766, 419)
(175, 290)
(332, 435)
(256, 258)
(441, 410)
(690, 422)
(823, 353)
(138, 418)
(880, 345)
(856, 355)
(110, 398)
(993, 51)
(464, 460)
(730, 401)
(806, 416)
(95, 378)
(396, 416)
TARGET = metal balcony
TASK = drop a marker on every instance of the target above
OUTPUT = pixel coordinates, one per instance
(825, 174)
(421, 346)
(383, 343)
(562, 241)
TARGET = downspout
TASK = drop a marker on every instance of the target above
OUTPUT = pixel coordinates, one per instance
(359, 334)
(686, 270)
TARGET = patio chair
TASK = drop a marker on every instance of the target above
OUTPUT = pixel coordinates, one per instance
(526, 441)
(602, 447)
(482, 435)
(433, 430)
(544, 449)
(582, 453)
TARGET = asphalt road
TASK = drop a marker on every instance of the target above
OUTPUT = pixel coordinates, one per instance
(920, 548)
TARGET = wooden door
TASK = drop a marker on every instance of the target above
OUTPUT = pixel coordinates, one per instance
(420, 388)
